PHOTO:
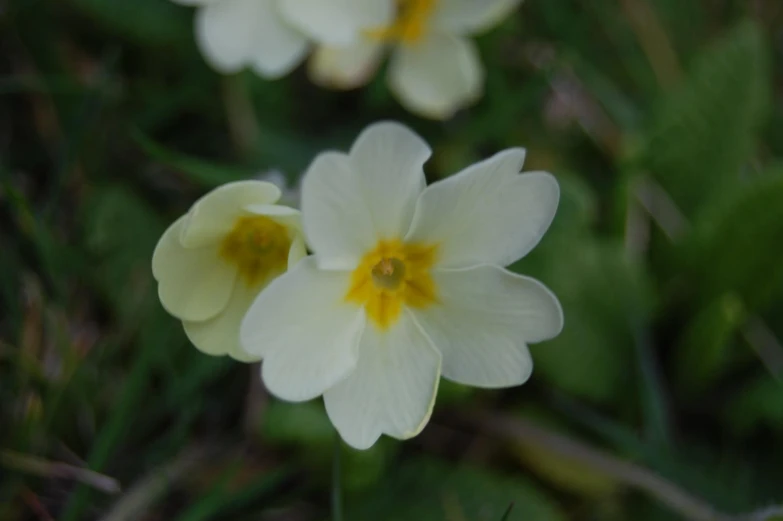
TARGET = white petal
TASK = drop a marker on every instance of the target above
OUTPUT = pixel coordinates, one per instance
(471, 16)
(220, 335)
(392, 391)
(193, 283)
(438, 76)
(235, 33)
(277, 47)
(306, 333)
(487, 213)
(224, 31)
(388, 158)
(482, 323)
(349, 202)
(337, 22)
(345, 67)
(214, 215)
(337, 220)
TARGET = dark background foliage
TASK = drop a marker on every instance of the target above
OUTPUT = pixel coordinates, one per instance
(661, 400)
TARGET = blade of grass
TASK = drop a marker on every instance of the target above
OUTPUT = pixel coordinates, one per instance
(55, 469)
(654, 404)
(220, 500)
(39, 235)
(144, 494)
(668, 493)
(77, 130)
(205, 173)
(117, 426)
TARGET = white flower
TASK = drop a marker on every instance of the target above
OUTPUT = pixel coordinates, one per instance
(213, 261)
(435, 68)
(406, 283)
(234, 34)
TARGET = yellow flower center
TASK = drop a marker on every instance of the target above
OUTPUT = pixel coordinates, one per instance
(410, 25)
(392, 274)
(258, 247)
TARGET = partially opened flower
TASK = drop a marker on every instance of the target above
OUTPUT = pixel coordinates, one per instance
(234, 34)
(213, 261)
(435, 68)
(406, 284)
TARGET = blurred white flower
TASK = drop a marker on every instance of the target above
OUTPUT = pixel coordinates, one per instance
(213, 261)
(435, 68)
(406, 283)
(234, 34)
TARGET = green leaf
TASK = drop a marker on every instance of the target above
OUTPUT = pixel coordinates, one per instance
(120, 232)
(301, 423)
(704, 131)
(759, 403)
(452, 393)
(365, 468)
(737, 242)
(704, 353)
(507, 513)
(602, 293)
(429, 489)
(578, 207)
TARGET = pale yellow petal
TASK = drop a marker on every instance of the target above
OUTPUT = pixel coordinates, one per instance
(215, 214)
(220, 335)
(193, 283)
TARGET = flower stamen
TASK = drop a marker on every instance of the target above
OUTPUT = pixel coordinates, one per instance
(390, 276)
(258, 247)
(389, 273)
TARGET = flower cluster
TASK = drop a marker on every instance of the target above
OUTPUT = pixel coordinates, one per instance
(405, 284)
(435, 68)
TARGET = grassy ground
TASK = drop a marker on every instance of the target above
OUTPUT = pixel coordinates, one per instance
(663, 120)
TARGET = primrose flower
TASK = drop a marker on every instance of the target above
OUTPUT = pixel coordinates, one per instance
(406, 284)
(234, 34)
(435, 68)
(213, 261)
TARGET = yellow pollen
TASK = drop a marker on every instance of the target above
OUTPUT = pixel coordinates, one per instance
(385, 267)
(411, 23)
(393, 274)
(258, 247)
(388, 273)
